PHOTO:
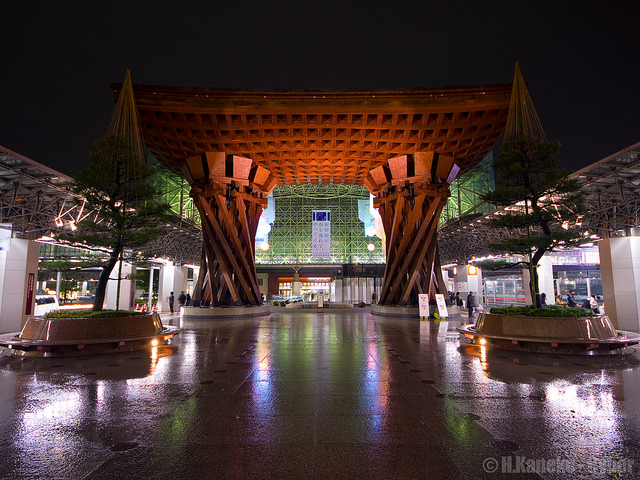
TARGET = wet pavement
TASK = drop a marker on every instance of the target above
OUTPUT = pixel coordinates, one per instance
(308, 395)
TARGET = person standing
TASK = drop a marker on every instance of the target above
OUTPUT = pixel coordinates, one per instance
(171, 299)
(471, 303)
(593, 304)
(571, 302)
(457, 299)
(182, 298)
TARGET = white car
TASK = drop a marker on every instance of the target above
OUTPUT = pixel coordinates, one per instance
(45, 303)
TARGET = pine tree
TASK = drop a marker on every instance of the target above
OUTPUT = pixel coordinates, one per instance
(548, 204)
(118, 187)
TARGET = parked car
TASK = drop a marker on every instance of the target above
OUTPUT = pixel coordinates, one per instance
(45, 303)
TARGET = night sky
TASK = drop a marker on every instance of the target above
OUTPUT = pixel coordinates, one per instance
(58, 59)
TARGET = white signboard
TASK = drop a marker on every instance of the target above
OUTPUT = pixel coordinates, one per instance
(442, 305)
(423, 304)
(321, 234)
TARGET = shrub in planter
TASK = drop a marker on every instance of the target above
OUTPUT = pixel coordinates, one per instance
(89, 313)
(548, 311)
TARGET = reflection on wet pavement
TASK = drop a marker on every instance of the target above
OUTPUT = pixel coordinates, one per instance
(320, 395)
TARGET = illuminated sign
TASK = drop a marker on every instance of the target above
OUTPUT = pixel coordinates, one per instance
(321, 234)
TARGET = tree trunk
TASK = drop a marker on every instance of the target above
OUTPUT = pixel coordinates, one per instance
(533, 274)
(107, 268)
(533, 283)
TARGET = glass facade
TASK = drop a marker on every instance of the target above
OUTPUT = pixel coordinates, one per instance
(585, 280)
(466, 191)
(290, 239)
(175, 192)
(504, 290)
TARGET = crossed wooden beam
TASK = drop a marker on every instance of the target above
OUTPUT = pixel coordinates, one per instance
(411, 191)
(230, 193)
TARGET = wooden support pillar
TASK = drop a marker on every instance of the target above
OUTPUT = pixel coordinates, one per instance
(230, 194)
(411, 191)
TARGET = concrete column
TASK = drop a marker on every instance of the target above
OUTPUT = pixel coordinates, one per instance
(296, 286)
(460, 280)
(263, 283)
(445, 277)
(468, 278)
(127, 289)
(474, 281)
(150, 290)
(620, 269)
(18, 279)
(545, 278)
(337, 291)
(346, 290)
(173, 278)
(58, 282)
(545, 281)
(165, 286)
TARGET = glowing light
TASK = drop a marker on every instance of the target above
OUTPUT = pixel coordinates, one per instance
(154, 342)
(482, 341)
(371, 247)
(472, 270)
(264, 246)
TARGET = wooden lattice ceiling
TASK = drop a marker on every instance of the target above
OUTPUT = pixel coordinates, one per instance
(321, 137)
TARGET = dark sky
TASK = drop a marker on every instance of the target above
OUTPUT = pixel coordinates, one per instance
(580, 58)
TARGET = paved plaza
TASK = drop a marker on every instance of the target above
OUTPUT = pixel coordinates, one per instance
(319, 395)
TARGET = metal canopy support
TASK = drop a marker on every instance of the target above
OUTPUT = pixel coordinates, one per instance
(612, 187)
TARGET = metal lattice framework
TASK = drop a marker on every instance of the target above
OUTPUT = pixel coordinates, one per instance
(37, 201)
(612, 187)
(290, 236)
(465, 200)
(34, 198)
(183, 241)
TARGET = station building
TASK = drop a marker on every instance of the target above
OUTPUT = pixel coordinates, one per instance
(395, 176)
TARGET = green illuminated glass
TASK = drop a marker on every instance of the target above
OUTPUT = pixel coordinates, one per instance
(290, 236)
(466, 190)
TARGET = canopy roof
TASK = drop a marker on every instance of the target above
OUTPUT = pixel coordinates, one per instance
(321, 136)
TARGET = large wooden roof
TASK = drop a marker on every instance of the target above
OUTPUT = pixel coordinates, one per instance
(321, 136)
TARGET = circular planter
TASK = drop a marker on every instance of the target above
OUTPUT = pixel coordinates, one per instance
(574, 335)
(51, 337)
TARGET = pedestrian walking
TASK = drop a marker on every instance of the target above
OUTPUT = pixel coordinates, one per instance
(471, 303)
(171, 299)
